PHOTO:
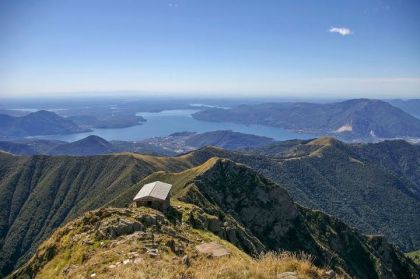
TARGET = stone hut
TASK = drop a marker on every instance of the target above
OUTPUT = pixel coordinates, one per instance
(155, 195)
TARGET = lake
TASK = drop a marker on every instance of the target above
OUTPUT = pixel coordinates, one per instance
(166, 122)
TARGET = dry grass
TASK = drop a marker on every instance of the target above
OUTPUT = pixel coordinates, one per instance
(80, 255)
(267, 266)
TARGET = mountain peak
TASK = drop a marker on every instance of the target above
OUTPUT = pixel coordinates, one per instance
(214, 162)
(90, 145)
(38, 123)
(43, 111)
(43, 114)
(325, 141)
(138, 242)
(94, 139)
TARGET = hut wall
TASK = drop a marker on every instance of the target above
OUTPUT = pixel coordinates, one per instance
(154, 203)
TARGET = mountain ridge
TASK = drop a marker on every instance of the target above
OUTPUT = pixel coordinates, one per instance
(56, 189)
(236, 204)
(349, 181)
(52, 184)
(351, 119)
(37, 123)
(128, 243)
(170, 145)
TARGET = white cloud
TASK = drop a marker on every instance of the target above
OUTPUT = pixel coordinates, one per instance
(343, 31)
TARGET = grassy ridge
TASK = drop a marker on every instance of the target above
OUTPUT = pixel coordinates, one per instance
(40, 193)
(78, 250)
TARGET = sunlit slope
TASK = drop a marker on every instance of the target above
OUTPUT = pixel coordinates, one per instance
(146, 244)
(39, 193)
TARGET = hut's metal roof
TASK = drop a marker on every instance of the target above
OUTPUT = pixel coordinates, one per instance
(158, 190)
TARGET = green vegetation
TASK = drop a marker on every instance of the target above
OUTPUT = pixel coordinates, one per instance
(217, 201)
(86, 246)
(91, 145)
(415, 256)
(371, 187)
(227, 139)
(40, 193)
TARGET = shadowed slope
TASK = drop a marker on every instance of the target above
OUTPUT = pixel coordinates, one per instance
(374, 187)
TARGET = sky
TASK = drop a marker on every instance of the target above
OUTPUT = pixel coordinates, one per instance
(354, 48)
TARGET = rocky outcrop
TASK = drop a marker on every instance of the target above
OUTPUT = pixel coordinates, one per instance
(160, 247)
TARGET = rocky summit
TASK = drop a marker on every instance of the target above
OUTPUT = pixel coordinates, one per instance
(144, 243)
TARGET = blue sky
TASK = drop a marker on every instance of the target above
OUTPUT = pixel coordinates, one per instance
(238, 48)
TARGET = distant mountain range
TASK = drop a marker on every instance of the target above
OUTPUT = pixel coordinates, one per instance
(411, 106)
(37, 123)
(359, 119)
(91, 145)
(353, 119)
(110, 120)
(167, 146)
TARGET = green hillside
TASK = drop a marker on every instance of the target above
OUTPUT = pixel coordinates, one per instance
(40, 193)
(224, 200)
(227, 139)
(373, 187)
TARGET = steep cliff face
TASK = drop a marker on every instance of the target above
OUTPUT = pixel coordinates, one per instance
(260, 205)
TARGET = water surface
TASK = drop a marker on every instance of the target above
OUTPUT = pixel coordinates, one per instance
(166, 122)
